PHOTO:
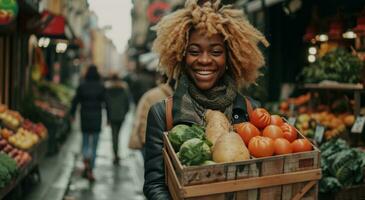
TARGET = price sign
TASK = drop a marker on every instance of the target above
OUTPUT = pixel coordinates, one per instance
(318, 133)
(292, 120)
(358, 126)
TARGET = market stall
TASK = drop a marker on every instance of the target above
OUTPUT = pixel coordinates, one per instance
(49, 103)
(327, 106)
(22, 147)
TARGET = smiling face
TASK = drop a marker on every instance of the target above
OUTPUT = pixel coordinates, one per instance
(205, 59)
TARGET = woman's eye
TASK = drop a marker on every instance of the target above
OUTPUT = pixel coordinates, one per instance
(217, 53)
(193, 52)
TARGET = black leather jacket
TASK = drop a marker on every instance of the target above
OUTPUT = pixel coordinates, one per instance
(154, 185)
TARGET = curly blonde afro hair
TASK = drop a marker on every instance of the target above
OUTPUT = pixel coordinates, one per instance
(244, 56)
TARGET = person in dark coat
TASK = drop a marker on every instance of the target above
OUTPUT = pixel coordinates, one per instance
(91, 96)
(117, 102)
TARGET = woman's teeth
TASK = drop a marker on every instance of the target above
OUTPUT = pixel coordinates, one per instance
(205, 72)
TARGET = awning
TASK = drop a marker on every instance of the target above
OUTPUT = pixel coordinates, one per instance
(53, 25)
(57, 27)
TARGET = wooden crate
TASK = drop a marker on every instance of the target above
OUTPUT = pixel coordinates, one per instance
(291, 176)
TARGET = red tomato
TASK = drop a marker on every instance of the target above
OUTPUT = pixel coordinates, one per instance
(260, 118)
(260, 146)
(276, 120)
(273, 132)
(247, 131)
(300, 145)
(282, 146)
(289, 132)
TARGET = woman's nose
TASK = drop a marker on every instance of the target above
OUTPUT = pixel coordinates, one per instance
(204, 58)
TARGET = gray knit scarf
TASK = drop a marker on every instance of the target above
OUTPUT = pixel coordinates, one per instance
(190, 103)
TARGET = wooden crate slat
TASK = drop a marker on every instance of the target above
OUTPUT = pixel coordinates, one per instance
(271, 167)
(251, 183)
(172, 181)
(304, 190)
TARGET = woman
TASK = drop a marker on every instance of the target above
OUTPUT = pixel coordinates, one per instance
(91, 95)
(212, 52)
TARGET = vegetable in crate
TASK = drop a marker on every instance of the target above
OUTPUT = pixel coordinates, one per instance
(260, 117)
(260, 146)
(229, 148)
(194, 152)
(301, 145)
(247, 131)
(181, 133)
(217, 125)
(208, 162)
(217, 117)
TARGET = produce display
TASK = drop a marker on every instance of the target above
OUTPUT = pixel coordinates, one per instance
(342, 166)
(23, 139)
(37, 128)
(335, 124)
(61, 93)
(284, 106)
(264, 135)
(338, 65)
(22, 158)
(8, 169)
(47, 107)
(11, 119)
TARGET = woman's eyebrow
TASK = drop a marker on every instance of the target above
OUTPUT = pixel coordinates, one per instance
(193, 44)
(216, 44)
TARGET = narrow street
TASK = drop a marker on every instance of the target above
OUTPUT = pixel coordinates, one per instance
(61, 173)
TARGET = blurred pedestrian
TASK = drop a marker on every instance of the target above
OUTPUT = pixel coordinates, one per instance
(91, 96)
(117, 102)
(156, 94)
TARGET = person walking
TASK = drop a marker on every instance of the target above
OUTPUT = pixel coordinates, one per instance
(156, 94)
(117, 102)
(90, 94)
(212, 51)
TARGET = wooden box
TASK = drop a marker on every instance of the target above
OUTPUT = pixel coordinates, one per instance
(291, 176)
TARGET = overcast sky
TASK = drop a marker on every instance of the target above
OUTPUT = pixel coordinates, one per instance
(115, 13)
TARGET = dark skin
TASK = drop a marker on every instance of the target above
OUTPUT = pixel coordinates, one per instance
(205, 59)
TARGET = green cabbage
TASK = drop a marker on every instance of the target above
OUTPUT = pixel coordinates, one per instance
(194, 152)
(181, 133)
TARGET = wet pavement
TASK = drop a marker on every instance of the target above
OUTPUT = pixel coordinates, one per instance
(124, 181)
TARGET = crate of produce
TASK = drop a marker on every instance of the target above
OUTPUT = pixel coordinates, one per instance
(287, 176)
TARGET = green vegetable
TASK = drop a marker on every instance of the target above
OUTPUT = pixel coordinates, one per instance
(9, 164)
(5, 176)
(181, 133)
(338, 65)
(333, 146)
(341, 165)
(348, 167)
(208, 162)
(194, 152)
(329, 184)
